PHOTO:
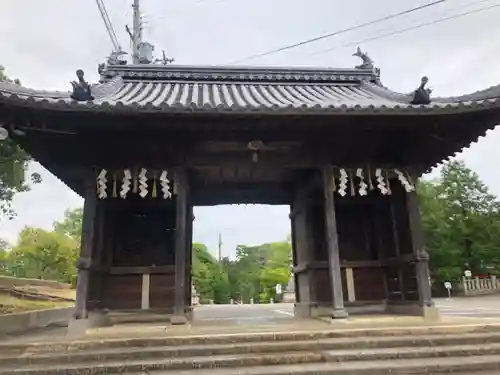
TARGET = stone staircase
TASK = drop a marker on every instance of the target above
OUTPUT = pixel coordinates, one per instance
(419, 350)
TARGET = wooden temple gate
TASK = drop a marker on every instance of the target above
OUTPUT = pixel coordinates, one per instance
(149, 143)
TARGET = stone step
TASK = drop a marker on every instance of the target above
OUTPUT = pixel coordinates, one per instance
(165, 352)
(246, 361)
(484, 365)
(96, 343)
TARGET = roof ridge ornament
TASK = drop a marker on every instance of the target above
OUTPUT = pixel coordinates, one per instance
(367, 62)
(81, 88)
(422, 95)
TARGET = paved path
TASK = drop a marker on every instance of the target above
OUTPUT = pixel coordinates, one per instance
(474, 307)
(244, 314)
(265, 317)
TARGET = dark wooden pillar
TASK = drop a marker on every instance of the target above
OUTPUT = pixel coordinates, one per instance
(96, 282)
(181, 229)
(419, 252)
(189, 245)
(332, 243)
(84, 263)
(293, 238)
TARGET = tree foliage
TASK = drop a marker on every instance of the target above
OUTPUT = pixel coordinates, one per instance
(209, 277)
(253, 275)
(13, 165)
(42, 254)
(45, 254)
(461, 219)
(71, 225)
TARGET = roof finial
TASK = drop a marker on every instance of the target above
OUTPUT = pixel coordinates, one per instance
(422, 96)
(81, 89)
(367, 61)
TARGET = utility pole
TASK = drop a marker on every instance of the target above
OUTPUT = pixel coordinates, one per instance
(136, 32)
(220, 248)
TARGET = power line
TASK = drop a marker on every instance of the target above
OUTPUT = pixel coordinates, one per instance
(352, 28)
(419, 26)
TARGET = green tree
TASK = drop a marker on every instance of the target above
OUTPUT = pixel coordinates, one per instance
(209, 277)
(445, 257)
(5, 78)
(258, 269)
(4, 257)
(461, 219)
(469, 208)
(13, 165)
(71, 225)
(45, 255)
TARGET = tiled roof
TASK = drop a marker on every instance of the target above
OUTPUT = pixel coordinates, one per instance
(174, 89)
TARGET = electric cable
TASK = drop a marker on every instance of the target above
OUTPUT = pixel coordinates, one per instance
(419, 26)
(338, 32)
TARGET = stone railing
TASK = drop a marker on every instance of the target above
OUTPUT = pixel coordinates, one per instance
(480, 286)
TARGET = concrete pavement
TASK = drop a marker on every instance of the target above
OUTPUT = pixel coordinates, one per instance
(249, 318)
(474, 307)
(243, 314)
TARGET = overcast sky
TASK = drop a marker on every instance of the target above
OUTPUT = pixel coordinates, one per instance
(44, 42)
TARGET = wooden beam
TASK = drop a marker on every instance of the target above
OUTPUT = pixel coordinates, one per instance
(332, 243)
(138, 270)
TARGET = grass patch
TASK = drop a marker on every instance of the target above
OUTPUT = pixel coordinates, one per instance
(9, 304)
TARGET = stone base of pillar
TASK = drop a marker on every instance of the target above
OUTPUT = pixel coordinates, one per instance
(189, 314)
(305, 309)
(314, 310)
(328, 315)
(428, 313)
(339, 314)
(177, 320)
(78, 327)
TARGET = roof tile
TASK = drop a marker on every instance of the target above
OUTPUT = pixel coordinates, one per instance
(228, 89)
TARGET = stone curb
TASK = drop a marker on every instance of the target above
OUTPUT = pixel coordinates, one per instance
(152, 353)
(29, 320)
(245, 361)
(96, 343)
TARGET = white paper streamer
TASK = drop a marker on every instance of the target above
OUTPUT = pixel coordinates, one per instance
(165, 185)
(126, 182)
(404, 181)
(381, 182)
(143, 183)
(363, 186)
(101, 184)
(343, 183)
